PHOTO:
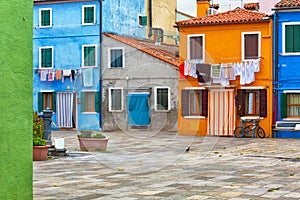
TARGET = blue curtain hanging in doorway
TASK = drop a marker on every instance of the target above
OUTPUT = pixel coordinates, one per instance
(138, 109)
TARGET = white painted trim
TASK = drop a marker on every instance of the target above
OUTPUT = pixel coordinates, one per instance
(252, 87)
(243, 43)
(109, 57)
(203, 45)
(194, 88)
(284, 53)
(155, 98)
(82, 54)
(194, 117)
(291, 91)
(40, 17)
(40, 57)
(47, 91)
(82, 14)
(141, 15)
(109, 99)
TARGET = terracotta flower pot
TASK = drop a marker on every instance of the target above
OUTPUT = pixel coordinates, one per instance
(93, 144)
(40, 153)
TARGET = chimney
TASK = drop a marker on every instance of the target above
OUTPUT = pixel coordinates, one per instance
(202, 7)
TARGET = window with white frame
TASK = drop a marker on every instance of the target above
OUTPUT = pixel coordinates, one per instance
(196, 47)
(115, 96)
(88, 14)
(290, 104)
(250, 45)
(194, 102)
(46, 57)
(116, 57)
(162, 98)
(142, 20)
(89, 55)
(45, 17)
(291, 38)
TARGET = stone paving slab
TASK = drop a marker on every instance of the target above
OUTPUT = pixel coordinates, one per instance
(143, 165)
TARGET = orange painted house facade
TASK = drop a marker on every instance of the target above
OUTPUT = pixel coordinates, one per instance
(226, 71)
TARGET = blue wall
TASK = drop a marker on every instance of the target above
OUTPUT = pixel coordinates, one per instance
(67, 35)
(287, 69)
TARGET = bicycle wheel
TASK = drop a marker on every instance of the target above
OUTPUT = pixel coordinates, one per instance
(239, 132)
(260, 132)
(248, 131)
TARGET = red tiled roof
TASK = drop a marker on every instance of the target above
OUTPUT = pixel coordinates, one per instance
(238, 15)
(251, 6)
(164, 52)
(287, 3)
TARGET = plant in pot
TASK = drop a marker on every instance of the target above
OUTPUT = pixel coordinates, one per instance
(40, 147)
(92, 141)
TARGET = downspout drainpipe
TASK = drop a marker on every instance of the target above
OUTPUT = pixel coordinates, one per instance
(150, 18)
(100, 63)
(276, 63)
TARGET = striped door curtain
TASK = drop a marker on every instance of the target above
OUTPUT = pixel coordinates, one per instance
(221, 114)
(64, 108)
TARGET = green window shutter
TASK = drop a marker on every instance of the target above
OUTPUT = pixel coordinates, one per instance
(283, 105)
(263, 102)
(82, 101)
(289, 38)
(241, 102)
(296, 38)
(162, 99)
(54, 101)
(45, 17)
(46, 57)
(97, 102)
(143, 20)
(89, 15)
(40, 102)
(185, 102)
(89, 56)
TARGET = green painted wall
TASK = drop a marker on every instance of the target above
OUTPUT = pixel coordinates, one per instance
(16, 99)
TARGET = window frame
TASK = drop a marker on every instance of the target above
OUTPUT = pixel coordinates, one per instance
(41, 58)
(83, 102)
(40, 17)
(286, 92)
(284, 38)
(156, 100)
(202, 114)
(242, 104)
(110, 99)
(123, 57)
(243, 44)
(95, 55)
(83, 16)
(141, 18)
(189, 47)
(41, 100)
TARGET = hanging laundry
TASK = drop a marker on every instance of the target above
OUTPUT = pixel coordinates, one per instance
(215, 71)
(204, 71)
(67, 73)
(43, 74)
(51, 75)
(58, 74)
(87, 77)
(190, 67)
(224, 76)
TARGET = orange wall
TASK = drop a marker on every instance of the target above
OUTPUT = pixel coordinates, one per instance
(223, 44)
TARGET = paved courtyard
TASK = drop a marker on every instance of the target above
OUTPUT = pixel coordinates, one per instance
(149, 165)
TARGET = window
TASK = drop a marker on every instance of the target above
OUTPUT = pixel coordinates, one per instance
(162, 98)
(142, 20)
(290, 105)
(89, 55)
(291, 38)
(194, 102)
(45, 17)
(46, 57)
(196, 47)
(250, 45)
(88, 14)
(252, 102)
(115, 97)
(46, 100)
(90, 102)
(116, 57)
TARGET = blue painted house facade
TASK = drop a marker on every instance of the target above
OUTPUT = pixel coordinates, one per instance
(67, 55)
(286, 71)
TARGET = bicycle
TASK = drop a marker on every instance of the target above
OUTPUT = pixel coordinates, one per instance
(254, 129)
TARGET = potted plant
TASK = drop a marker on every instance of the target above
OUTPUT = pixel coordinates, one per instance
(92, 141)
(40, 147)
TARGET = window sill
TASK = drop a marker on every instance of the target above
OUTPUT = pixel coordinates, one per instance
(251, 117)
(115, 111)
(194, 117)
(89, 24)
(291, 119)
(162, 111)
(291, 54)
